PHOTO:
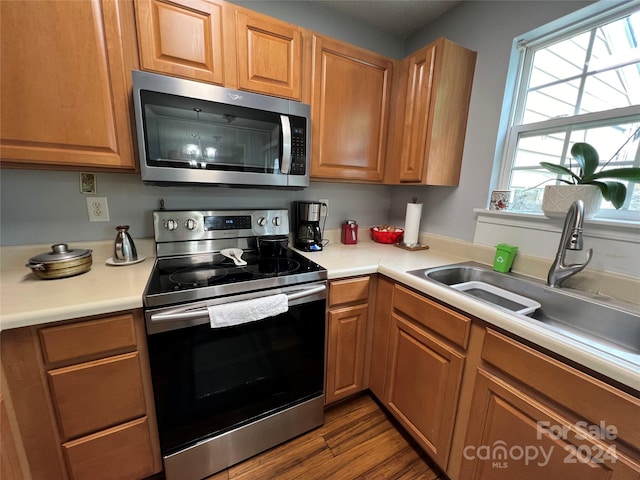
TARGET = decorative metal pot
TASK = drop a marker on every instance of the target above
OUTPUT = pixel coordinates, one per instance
(61, 262)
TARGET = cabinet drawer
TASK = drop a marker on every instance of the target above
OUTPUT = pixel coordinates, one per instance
(448, 323)
(588, 397)
(90, 338)
(349, 291)
(120, 452)
(95, 395)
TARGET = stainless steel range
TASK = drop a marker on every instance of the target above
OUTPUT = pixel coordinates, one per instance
(236, 338)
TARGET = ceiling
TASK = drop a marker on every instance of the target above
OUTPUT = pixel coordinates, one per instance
(398, 17)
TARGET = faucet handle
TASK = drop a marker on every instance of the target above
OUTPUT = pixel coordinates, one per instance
(581, 265)
(589, 255)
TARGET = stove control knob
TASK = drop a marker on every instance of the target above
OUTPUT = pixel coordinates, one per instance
(190, 224)
(170, 224)
(262, 221)
(277, 221)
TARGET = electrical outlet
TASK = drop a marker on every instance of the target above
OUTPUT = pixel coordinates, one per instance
(324, 209)
(98, 209)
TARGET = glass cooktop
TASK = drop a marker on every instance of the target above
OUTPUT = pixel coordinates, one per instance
(202, 276)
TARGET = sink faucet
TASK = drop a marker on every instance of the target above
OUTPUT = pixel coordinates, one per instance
(571, 239)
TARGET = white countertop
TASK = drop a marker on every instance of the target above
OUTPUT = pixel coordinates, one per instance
(368, 257)
(26, 300)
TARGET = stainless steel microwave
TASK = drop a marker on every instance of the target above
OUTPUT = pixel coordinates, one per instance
(196, 133)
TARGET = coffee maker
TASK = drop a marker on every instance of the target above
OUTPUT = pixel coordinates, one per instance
(308, 236)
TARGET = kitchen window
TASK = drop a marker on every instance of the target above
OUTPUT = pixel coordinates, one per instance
(580, 83)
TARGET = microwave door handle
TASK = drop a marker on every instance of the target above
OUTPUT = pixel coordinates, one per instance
(203, 312)
(285, 165)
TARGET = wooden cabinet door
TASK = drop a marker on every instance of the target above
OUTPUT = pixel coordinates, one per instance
(511, 435)
(12, 461)
(181, 38)
(429, 132)
(346, 352)
(453, 77)
(590, 399)
(416, 117)
(269, 55)
(66, 83)
(380, 336)
(423, 383)
(350, 110)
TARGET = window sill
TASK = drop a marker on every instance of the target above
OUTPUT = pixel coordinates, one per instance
(614, 243)
(602, 225)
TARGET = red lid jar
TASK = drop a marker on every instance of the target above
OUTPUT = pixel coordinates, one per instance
(349, 232)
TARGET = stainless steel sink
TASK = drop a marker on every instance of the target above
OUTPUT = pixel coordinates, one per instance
(589, 318)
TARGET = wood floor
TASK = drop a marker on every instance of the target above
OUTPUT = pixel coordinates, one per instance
(357, 441)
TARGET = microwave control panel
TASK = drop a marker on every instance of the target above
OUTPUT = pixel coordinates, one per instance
(298, 146)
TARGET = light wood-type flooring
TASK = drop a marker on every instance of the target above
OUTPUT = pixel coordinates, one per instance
(357, 441)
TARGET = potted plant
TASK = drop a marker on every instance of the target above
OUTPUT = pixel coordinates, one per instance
(586, 183)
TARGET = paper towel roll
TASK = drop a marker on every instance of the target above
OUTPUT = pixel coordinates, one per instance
(412, 223)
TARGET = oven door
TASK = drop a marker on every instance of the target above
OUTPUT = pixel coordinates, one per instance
(208, 381)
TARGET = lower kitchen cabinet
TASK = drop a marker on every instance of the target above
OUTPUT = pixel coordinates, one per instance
(347, 334)
(532, 415)
(82, 399)
(12, 466)
(425, 365)
(381, 320)
(92, 395)
(486, 406)
(124, 451)
(513, 435)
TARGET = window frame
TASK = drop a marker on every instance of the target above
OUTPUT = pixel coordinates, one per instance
(518, 78)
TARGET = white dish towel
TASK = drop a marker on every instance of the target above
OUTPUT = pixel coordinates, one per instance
(237, 313)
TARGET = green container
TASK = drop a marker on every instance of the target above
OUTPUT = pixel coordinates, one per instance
(504, 257)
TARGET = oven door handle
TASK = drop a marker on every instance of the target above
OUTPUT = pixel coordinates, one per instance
(201, 312)
(306, 293)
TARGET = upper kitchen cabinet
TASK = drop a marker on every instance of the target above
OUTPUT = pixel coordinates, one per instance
(434, 89)
(217, 42)
(269, 55)
(66, 81)
(350, 92)
(182, 38)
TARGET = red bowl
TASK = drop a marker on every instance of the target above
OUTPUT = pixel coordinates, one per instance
(386, 237)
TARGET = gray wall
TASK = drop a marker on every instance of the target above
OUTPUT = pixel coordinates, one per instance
(488, 28)
(39, 207)
(46, 207)
(327, 22)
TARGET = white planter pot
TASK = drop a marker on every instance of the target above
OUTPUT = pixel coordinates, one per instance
(558, 198)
